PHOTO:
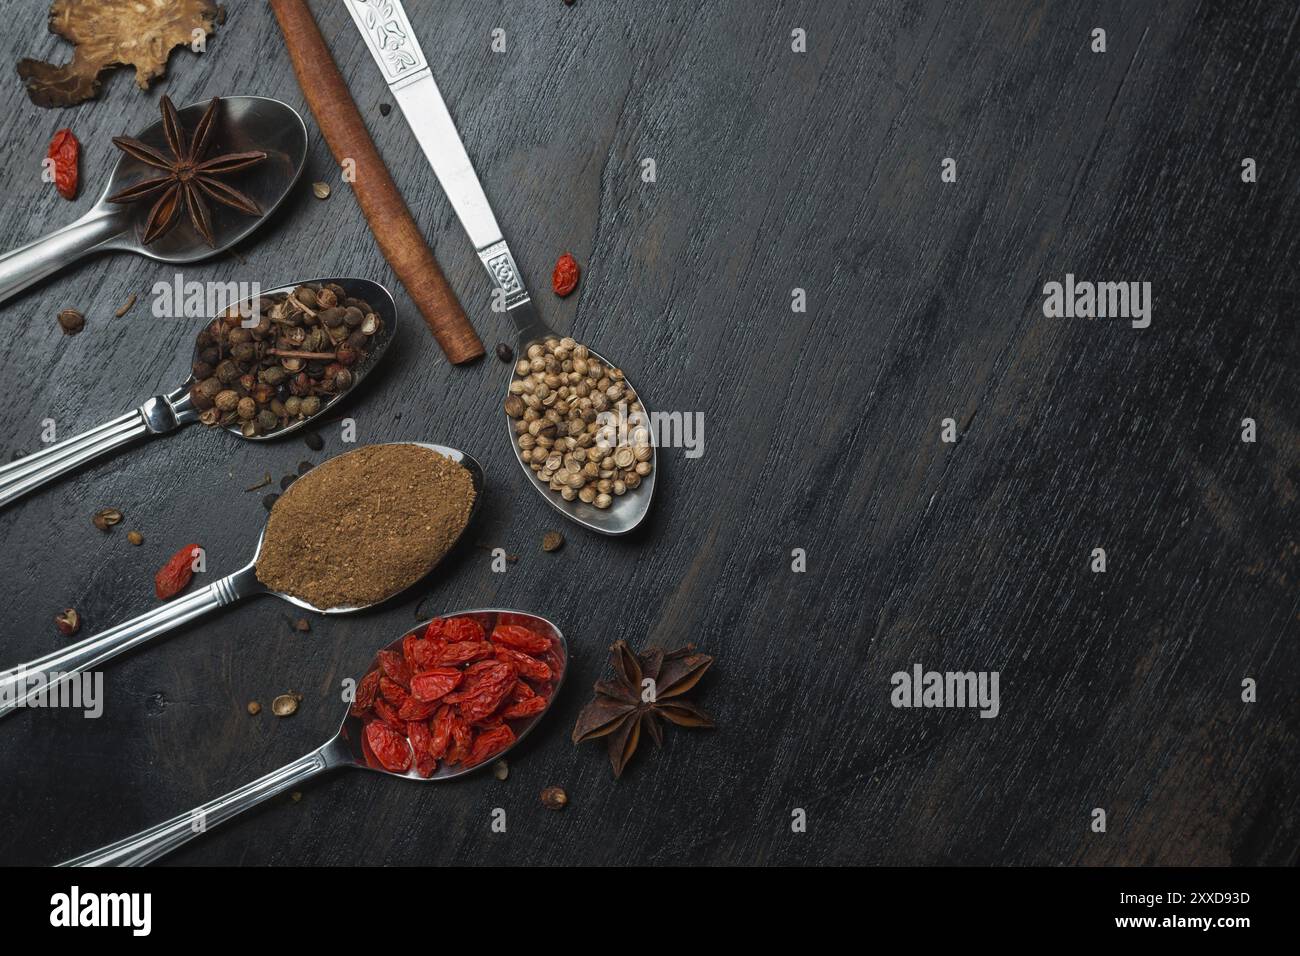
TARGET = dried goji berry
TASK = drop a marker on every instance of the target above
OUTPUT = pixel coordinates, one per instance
(435, 683)
(530, 707)
(172, 578)
(522, 691)
(527, 666)
(418, 733)
(489, 742)
(65, 151)
(389, 746)
(371, 759)
(413, 709)
(394, 666)
(521, 639)
(565, 277)
(393, 692)
(442, 725)
(474, 677)
(459, 629)
(461, 739)
(464, 652)
(488, 693)
(367, 687)
(388, 714)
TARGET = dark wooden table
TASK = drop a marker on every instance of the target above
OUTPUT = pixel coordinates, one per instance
(823, 430)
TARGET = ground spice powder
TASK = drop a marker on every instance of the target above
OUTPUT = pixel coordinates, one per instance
(365, 525)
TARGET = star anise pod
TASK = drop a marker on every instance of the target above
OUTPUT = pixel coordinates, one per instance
(625, 707)
(190, 179)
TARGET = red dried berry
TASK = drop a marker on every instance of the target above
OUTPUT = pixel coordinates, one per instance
(464, 652)
(521, 639)
(173, 577)
(394, 667)
(389, 746)
(565, 277)
(433, 684)
(65, 151)
(527, 666)
(367, 687)
(489, 742)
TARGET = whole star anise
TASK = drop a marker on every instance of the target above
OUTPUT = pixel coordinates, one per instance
(189, 177)
(628, 705)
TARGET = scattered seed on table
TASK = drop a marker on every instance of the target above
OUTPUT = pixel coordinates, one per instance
(69, 622)
(126, 306)
(301, 624)
(296, 796)
(286, 705)
(286, 481)
(304, 467)
(552, 541)
(254, 708)
(385, 109)
(554, 798)
(71, 321)
(314, 441)
(266, 480)
(135, 537)
(322, 190)
(500, 770)
(505, 353)
(269, 501)
(105, 518)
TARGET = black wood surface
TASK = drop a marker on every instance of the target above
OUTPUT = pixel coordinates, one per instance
(823, 431)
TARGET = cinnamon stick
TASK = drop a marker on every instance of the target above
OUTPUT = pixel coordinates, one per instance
(394, 229)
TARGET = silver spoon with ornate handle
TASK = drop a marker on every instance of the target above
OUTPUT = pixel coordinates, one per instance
(248, 122)
(388, 35)
(19, 685)
(344, 749)
(163, 414)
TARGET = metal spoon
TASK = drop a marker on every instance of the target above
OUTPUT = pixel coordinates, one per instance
(20, 684)
(342, 750)
(166, 413)
(248, 122)
(387, 31)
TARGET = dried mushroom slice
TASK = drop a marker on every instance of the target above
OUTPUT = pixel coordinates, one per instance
(108, 33)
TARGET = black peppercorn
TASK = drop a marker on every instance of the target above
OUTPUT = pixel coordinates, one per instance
(269, 501)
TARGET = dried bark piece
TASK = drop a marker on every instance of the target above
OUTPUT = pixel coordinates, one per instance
(109, 33)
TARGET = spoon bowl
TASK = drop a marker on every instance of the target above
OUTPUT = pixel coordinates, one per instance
(19, 685)
(379, 299)
(344, 749)
(350, 731)
(455, 454)
(246, 122)
(628, 510)
(168, 412)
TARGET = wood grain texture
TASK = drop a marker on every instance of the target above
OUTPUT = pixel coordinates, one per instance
(775, 170)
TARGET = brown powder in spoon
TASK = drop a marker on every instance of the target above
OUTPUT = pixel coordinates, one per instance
(365, 525)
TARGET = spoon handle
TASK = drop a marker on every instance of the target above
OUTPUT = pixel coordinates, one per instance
(148, 845)
(47, 681)
(30, 263)
(387, 32)
(159, 415)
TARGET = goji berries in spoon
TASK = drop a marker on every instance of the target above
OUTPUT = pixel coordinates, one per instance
(452, 724)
